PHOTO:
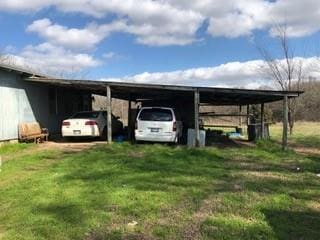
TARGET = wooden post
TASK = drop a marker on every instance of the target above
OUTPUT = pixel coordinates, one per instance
(240, 116)
(129, 120)
(248, 114)
(109, 115)
(285, 123)
(262, 121)
(196, 118)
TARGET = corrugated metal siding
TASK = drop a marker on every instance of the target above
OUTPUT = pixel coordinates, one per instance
(15, 105)
(10, 112)
(9, 107)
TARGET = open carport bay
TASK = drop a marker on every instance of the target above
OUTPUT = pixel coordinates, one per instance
(186, 98)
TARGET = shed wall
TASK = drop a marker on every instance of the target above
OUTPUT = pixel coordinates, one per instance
(22, 101)
(14, 106)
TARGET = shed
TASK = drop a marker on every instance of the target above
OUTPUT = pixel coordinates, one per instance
(177, 93)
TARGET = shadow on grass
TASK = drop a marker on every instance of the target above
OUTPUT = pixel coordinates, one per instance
(279, 224)
(294, 225)
(307, 141)
(63, 212)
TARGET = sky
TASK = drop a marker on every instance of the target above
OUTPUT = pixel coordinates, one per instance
(203, 42)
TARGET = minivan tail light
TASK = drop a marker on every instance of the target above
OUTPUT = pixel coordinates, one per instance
(91, 123)
(65, 123)
(174, 127)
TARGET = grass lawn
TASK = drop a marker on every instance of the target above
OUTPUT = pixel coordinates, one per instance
(124, 191)
(305, 134)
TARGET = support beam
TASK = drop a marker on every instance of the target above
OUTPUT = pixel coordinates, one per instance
(262, 121)
(240, 116)
(285, 123)
(248, 114)
(129, 120)
(196, 118)
(109, 115)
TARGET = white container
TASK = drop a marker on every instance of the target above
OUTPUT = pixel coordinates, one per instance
(191, 138)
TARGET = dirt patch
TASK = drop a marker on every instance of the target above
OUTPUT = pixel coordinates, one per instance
(193, 230)
(314, 205)
(307, 151)
(117, 235)
(266, 175)
(68, 146)
(136, 154)
(63, 147)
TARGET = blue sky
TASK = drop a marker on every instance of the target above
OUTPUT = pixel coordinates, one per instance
(211, 42)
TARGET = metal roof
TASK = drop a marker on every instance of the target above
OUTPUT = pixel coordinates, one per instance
(139, 91)
(21, 70)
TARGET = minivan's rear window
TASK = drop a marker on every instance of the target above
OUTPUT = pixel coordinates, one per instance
(86, 115)
(156, 114)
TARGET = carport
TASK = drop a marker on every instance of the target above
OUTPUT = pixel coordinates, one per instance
(136, 92)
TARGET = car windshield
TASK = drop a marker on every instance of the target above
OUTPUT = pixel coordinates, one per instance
(86, 115)
(156, 114)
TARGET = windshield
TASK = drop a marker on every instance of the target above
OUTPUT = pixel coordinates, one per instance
(86, 115)
(156, 114)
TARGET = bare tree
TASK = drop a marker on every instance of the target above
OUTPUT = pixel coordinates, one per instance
(6, 59)
(286, 71)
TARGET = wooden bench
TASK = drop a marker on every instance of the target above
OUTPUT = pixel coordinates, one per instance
(32, 131)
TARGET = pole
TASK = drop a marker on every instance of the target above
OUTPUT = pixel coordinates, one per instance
(248, 114)
(109, 116)
(196, 118)
(240, 116)
(262, 121)
(285, 123)
(129, 120)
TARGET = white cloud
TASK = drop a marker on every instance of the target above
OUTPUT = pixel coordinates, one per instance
(16, 5)
(174, 22)
(153, 22)
(236, 18)
(87, 37)
(72, 38)
(53, 60)
(250, 74)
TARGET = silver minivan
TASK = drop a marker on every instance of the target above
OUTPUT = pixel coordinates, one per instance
(158, 124)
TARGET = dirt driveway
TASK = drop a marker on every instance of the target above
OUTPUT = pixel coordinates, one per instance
(70, 146)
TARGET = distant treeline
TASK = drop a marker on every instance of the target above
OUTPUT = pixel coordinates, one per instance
(307, 105)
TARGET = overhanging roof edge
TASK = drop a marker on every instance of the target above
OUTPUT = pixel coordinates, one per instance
(165, 87)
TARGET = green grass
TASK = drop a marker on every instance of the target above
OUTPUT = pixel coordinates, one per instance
(171, 192)
(8, 148)
(305, 134)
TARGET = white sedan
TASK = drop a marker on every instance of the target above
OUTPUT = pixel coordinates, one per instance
(89, 124)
